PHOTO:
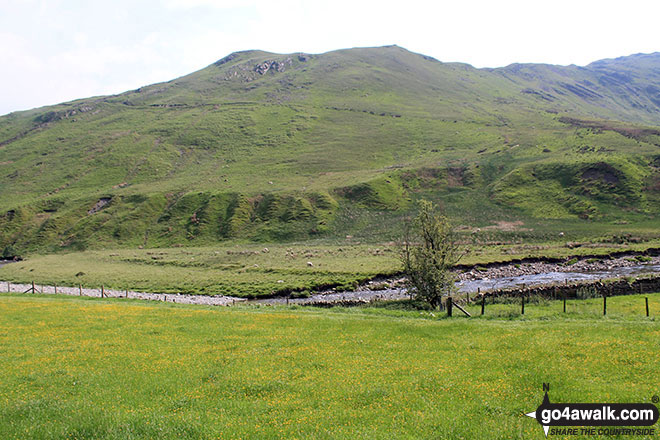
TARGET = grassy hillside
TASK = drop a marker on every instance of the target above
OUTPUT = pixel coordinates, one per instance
(115, 369)
(271, 147)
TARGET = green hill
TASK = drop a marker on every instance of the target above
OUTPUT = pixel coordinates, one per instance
(266, 146)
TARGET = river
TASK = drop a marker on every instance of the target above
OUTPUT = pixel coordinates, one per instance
(472, 286)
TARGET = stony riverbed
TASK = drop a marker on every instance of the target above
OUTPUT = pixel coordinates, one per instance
(534, 268)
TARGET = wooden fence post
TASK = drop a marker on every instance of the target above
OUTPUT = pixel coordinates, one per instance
(483, 304)
(102, 291)
(56, 289)
(33, 289)
(449, 306)
(522, 312)
(647, 306)
(458, 306)
(604, 304)
(8, 287)
(564, 295)
(80, 289)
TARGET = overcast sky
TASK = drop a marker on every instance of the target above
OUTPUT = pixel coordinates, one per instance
(58, 50)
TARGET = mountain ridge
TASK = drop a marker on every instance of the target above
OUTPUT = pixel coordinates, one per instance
(653, 56)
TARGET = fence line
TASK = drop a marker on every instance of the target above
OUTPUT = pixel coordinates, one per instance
(616, 287)
(102, 292)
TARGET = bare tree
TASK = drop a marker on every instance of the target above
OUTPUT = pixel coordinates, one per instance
(429, 250)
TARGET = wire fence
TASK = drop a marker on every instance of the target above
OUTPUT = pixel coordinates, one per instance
(518, 297)
(102, 292)
(558, 292)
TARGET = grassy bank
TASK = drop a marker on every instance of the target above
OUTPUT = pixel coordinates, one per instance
(113, 369)
(258, 270)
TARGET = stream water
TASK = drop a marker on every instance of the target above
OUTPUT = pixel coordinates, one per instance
(471, 286)
(555, 277)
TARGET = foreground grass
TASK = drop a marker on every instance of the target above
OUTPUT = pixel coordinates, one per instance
(257, 269)
(90, 368)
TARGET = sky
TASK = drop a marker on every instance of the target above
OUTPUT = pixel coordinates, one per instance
(55, 50)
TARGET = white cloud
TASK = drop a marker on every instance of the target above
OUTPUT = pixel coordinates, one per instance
(220, 4)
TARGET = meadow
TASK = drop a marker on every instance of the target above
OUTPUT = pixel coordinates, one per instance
(122, 369)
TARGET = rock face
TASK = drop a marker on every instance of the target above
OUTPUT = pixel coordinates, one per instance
(99, 205)
(275, 66)
(248, 71)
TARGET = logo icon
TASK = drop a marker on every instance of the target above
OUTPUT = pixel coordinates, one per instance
(593, 414)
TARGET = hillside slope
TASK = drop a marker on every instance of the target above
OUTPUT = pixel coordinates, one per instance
(275, 147)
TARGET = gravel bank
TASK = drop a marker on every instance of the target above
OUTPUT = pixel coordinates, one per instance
(583, 265)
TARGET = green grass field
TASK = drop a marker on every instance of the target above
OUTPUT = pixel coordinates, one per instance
(121, 369)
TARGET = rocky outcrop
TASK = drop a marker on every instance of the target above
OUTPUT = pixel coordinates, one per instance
(272, 65)
(103, 201)
(249, 71)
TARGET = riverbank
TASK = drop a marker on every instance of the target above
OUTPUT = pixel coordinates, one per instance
(572, 273)
(572, 264)
(534, 277)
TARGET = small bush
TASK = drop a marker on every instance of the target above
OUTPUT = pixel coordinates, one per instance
(9, 252)
(428, 253)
